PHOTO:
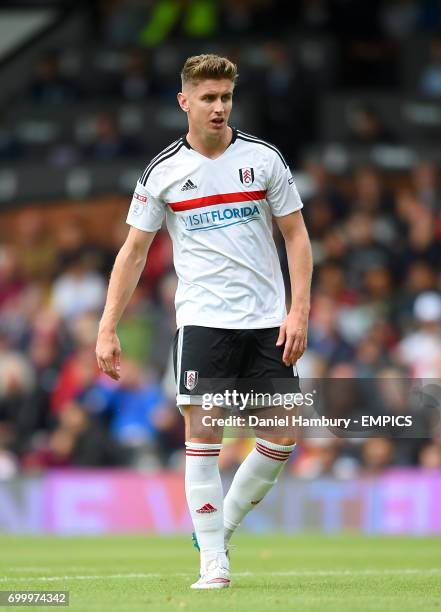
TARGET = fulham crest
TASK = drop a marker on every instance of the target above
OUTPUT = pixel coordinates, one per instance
(190, 379)
(246, 176)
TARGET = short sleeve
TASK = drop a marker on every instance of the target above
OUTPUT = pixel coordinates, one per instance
(282, 194)
(146, 212)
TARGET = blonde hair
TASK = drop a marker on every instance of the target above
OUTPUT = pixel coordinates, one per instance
(208, 66)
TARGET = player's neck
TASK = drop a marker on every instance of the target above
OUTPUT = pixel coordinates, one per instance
(212, 145)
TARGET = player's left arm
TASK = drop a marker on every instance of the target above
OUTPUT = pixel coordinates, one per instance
(294, 330)
(285, 203)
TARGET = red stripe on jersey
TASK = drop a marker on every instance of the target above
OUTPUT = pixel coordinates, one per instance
(219, 198)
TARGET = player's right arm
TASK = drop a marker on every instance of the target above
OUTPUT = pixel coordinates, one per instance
(126, 272)
(146, 214)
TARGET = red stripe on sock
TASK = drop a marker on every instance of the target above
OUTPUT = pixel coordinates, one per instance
(275, 452)
(209, 454)
(275, 457)
(202, 452)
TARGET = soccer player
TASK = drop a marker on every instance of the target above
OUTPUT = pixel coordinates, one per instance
(218, 189)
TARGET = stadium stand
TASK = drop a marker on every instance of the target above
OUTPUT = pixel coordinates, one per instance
(351, 96)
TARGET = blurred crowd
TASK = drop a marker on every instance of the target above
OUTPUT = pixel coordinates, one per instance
(152, 22)
(376, 238)
(55, 408)
(375, 312)
(312, 46)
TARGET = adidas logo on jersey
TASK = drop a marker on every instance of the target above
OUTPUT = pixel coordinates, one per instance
(189, 185)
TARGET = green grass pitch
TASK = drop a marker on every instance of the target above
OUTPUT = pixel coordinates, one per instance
(305, 572)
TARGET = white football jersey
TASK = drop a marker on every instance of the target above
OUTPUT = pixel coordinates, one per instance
(219, 216)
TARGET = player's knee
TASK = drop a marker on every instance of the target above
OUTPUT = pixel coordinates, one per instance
(283, 441)
(197, 431)
(206, 439)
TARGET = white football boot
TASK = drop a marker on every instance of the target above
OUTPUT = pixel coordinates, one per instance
(215, 572)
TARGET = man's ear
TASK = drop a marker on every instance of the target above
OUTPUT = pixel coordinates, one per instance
(183, 102)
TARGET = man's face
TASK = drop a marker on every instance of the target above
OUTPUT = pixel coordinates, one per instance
(208, 105)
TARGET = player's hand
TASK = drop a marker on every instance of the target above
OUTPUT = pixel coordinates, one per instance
(108, 353)
(294, 334)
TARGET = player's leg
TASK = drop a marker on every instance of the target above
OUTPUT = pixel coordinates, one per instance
(261, 468)
(203, 485)
(199, 359)
(254, 478)
(203, 489)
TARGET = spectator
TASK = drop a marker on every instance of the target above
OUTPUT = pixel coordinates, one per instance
(369, 194)
(78, 440)
(430, 79)
(136, 82)
(12, 283)
(367, 128)
(323, 187)
(165, 326)
(399, 18)
(365, 251)
(376, 454)
(92, 444)
(18, 415)
(36, 252)
(79, 369)
(324, 334)
(420, 350)
(78, 290)
(239, 16)
(422, 241)
(426, 185)
(330, 281)
(370, 356)
(320, 216)
(136, 407)
(317, 459)
(378, 291)
(78, 373)
(108, 142)
(122, 21)
(430, 456)
(49, 86)
(419, 278)
(70, 242)
(289, 117)
(315, 16)
(8, 465)
(10, 147)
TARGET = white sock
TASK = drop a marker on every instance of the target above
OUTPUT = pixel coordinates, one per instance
(252, 481)
(203, 488)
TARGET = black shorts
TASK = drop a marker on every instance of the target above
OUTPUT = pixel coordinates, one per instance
(210, 360)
